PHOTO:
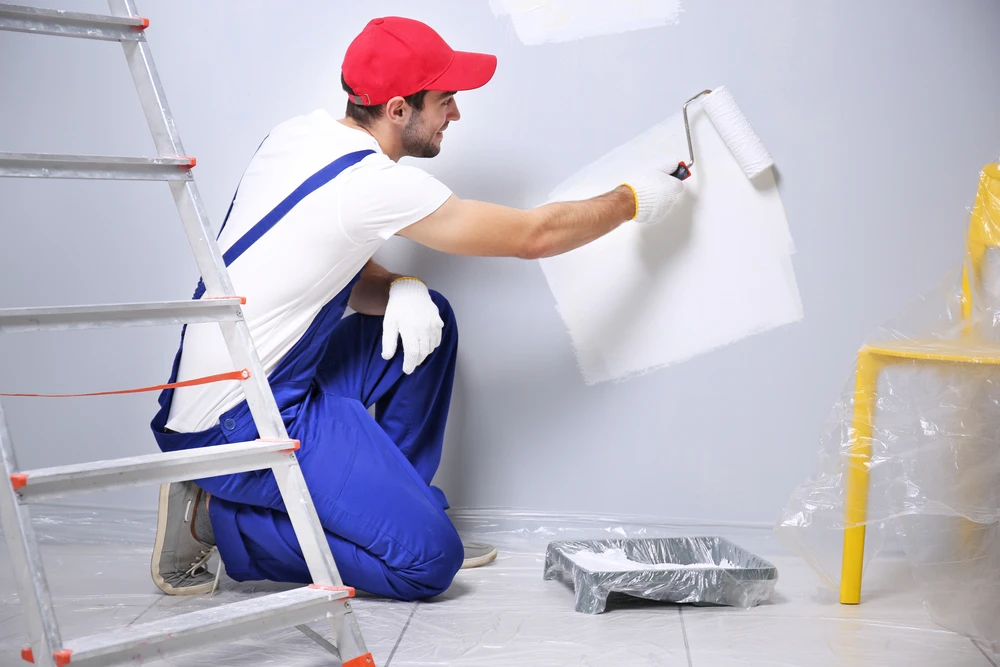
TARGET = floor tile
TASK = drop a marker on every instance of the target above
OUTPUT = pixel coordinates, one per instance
(729, 637)
(100, 587)
(505, 614)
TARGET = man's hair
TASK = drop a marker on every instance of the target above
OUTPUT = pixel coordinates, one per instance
(367, 115)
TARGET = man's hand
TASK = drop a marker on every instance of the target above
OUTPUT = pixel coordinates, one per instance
(656, 192)
(414, 317)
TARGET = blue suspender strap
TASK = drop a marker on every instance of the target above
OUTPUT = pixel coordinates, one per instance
(317, 180)
(314, 182)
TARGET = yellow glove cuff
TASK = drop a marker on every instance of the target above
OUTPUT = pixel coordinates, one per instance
(635, 196)
(406, 278)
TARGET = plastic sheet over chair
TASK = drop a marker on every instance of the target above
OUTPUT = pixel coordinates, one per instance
(910, 453)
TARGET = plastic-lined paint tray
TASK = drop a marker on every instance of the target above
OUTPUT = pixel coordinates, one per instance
(691, 570)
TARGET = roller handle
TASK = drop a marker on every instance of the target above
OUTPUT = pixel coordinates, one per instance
(682, 172)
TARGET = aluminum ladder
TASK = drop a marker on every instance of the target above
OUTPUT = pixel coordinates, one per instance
(327, 597)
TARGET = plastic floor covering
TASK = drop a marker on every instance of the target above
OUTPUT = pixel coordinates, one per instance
(505, 613)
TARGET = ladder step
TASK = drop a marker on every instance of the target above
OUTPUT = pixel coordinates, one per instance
(71, 24)
(187, 464)
(41, 165)
(60, 318)
(160, 639)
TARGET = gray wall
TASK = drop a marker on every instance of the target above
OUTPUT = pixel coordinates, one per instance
(879, 116)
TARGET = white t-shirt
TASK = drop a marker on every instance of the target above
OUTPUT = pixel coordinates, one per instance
(308, 257)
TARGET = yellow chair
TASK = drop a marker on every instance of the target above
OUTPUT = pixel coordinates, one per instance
(984, 232)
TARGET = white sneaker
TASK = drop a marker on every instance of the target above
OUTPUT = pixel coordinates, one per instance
(478, 554)
(180, 559)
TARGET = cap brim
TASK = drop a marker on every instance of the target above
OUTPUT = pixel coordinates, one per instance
(467, 71)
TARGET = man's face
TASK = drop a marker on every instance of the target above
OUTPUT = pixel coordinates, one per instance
(424, 130)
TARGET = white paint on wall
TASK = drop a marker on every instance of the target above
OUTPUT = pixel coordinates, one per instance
(716, 270)
(541, 21)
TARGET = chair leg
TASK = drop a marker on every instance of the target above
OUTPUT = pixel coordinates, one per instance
(859, 455)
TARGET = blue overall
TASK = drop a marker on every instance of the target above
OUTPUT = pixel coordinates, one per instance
(369, 477)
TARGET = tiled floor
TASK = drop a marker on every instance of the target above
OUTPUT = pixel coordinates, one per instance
(505, 614)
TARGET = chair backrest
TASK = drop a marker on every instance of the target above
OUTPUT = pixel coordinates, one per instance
(984, 233)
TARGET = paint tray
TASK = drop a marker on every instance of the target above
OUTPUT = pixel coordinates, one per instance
(690, 570)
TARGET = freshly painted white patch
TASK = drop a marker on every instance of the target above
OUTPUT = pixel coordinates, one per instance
(541, 21)
(615, 560)
(716, 270)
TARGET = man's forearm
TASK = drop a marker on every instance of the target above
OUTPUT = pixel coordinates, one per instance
(470, 227)
(371, 293)
(565, 226)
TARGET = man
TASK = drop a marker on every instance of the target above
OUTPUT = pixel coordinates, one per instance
(337, 192)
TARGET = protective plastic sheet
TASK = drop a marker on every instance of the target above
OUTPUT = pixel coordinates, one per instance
(705, 570)
(920, 419)
(505, 613)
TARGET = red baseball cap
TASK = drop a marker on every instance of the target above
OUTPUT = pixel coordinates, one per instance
(399, 56)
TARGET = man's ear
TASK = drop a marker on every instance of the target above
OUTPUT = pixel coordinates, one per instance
(396, 110)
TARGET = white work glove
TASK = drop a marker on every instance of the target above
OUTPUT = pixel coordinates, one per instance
(655, 191)
(414, 317)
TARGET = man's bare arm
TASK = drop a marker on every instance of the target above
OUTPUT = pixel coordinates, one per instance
(371, 293)
(469, 227)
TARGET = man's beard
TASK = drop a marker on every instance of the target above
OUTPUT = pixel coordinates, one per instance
(417, 141)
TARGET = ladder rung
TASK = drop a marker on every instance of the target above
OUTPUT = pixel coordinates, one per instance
(70, 24)
(186, 464)
(15, 320)
(39, 165)
(160, 639)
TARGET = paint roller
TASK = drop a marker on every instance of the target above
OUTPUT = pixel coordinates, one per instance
(735, 130)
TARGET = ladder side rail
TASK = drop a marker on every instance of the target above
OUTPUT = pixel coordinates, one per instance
(29, 573)
(258, 393)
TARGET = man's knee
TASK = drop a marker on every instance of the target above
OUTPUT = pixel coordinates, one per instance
(431, 576)
(447, 314)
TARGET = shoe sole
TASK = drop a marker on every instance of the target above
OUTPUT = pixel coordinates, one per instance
(479, 561)
(161, 533)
